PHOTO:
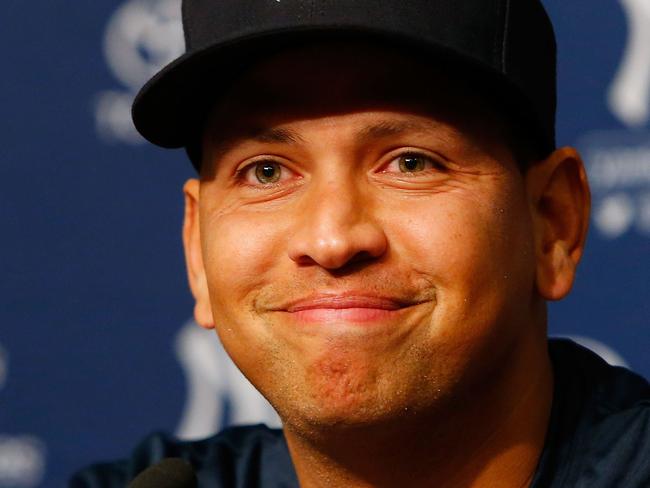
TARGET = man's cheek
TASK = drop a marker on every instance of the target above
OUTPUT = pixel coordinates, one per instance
(445, 245)
(234, 267)
(244, 248)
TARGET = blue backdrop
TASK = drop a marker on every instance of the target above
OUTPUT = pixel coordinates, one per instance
(94, 340)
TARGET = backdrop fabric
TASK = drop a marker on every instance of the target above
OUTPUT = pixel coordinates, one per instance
(97, 348)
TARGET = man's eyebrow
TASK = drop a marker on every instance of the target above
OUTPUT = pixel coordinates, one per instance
(378, 130)
(273, 134)
(389, 128)
(257, 134)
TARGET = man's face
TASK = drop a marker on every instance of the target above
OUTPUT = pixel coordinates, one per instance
(365, 236)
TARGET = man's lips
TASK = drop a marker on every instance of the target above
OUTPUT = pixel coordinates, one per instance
(343, 301)
(344, 307)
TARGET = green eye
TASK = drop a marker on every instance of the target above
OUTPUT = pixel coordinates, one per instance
(267, 172)
(412, 163)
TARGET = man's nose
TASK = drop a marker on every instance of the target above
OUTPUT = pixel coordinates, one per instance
(336, 227)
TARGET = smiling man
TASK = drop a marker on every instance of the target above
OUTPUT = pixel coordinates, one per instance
(380, 217)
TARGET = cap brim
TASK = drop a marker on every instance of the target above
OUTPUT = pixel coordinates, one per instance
(170, 109)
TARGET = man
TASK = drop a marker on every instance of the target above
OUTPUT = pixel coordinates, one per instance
(380, 218)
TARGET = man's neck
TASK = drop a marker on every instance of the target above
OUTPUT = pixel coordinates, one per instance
(493, 438)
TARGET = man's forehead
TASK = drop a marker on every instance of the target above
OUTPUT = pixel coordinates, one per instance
(385, 125)
(360, 128)
(357, 133)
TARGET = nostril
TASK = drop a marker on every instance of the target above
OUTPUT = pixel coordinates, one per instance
(362, 256)
(331, 257)
(356, 263)
(304, 260)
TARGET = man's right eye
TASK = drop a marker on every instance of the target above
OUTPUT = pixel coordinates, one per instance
(268, 172)
(264, 173)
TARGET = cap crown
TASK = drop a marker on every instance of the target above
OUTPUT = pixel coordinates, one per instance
(510, 40)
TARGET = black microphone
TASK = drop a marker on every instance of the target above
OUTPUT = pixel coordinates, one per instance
(168, 473)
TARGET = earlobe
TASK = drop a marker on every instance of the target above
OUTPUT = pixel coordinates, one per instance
(194, 256)
(560, 204)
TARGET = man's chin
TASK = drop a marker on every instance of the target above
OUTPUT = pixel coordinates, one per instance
(329, 418)
(346, 406)
(336, 424)
(349, 388)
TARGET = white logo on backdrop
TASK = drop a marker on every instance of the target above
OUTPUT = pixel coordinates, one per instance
(619, 173)
(629, 95)
(618, 162)
(141, 37)
(213, 381)
(22, 458)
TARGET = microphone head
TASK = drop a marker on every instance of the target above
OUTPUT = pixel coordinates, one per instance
(168, 473)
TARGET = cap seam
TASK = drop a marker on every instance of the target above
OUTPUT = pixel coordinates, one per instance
(497, 44)
(506, 32)
(188, 31)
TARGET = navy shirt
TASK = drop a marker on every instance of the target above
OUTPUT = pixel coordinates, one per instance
(598, 437)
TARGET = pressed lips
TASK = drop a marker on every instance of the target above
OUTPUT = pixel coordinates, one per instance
(346, 307)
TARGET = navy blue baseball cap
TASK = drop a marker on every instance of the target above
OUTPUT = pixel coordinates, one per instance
(508, 44)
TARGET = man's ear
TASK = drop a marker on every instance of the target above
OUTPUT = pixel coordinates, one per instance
(560, 203)
(194, 256)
